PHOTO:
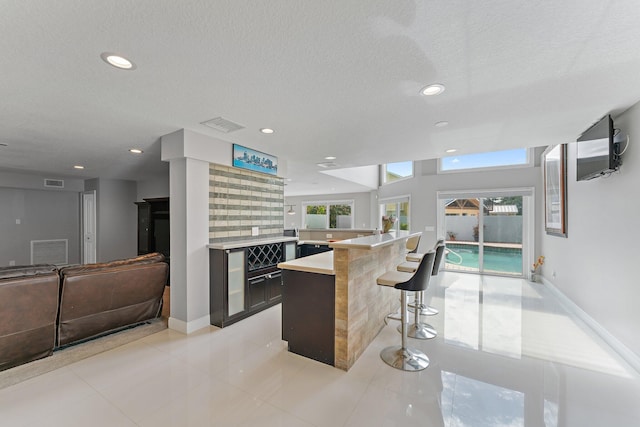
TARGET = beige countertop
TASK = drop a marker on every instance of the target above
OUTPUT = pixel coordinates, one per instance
(253, 242)
(313, 242)
(372, 242)
(321, 263)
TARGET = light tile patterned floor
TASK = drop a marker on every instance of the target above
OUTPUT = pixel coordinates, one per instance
(506, 355)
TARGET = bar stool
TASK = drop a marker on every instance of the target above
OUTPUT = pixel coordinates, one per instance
(412, 247)
(425, 310)
(412, 244)
(402, 357)
(418, 329)
(414, 256)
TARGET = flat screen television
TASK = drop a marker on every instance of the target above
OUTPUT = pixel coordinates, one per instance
(597, 153)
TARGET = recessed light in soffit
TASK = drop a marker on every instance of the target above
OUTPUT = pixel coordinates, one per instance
(222, 125)
(267, 130)
(118, 61)
(433, 89)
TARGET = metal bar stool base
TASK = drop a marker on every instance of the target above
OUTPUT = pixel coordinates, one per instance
(421, 331)
(408, 359)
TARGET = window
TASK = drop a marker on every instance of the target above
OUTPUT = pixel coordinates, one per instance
(399, 209)
(392, 172)
(518, 157)
(330, 214)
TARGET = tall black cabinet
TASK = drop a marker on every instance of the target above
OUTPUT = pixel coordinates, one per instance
(153, 226)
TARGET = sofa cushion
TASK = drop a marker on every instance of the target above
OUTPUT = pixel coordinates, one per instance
(28, 308)
(95, 301)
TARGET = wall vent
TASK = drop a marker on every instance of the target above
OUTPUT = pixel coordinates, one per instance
(54, 251)
(222, 125)
(54, 183)
(327, 164)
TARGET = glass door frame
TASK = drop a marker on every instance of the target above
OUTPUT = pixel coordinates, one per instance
(398, 200)
(528, 218)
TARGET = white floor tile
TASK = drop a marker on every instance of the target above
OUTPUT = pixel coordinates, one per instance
(320, 394)
(506, 354)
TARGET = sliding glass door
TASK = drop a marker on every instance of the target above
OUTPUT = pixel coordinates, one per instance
(487, 232)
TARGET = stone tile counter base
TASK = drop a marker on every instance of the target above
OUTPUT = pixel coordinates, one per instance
(362, 305)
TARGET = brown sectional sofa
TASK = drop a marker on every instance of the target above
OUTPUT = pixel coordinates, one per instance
(97, 298)
(28, 308)
(43, 308)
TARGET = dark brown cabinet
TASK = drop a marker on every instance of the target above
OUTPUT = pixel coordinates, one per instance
(265, 289)
(153, 226)
(309, 329)
(244, 281)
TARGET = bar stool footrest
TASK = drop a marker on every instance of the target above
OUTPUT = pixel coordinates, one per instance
(425, 311)
(423, 331)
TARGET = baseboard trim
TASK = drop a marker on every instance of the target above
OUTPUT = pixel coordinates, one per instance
(629, 356)
(188, 327)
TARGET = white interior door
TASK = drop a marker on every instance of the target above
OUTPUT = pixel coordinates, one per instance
(89, 227)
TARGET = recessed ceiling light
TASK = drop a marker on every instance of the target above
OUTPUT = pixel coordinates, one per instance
(451, 150)
(78, 167)
(330, 158)
(136, 151)
(441, 124)
(434, 89)
(117, 61)
(267, 130)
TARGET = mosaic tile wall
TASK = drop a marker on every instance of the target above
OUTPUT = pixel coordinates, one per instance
(241, 199)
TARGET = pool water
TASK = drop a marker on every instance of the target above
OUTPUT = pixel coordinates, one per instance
(495, 259)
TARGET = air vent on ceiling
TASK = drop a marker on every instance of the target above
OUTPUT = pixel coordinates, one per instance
(327, 164)
(54, 183)
(223, 125)
(50, 251)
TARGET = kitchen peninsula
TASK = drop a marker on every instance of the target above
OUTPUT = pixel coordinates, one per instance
(332, 307)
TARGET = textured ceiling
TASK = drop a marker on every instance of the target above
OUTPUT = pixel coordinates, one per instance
(339, 78)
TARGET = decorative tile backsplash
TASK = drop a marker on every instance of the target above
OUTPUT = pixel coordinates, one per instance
(240, 200)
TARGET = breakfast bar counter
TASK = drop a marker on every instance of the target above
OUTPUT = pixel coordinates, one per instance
(332, 307)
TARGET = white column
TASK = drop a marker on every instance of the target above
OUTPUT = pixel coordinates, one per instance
(189, 205)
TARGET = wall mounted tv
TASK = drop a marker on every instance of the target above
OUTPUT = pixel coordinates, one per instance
(597, 154)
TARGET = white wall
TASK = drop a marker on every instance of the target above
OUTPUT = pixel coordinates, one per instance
(43, 215)
(153, 188)
(425, 184)
(116, 215)
(362, 202)
(47, 213)
(595, 265)
(36, 181)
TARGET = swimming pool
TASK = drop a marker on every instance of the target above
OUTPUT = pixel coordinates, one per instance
(497, 260)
